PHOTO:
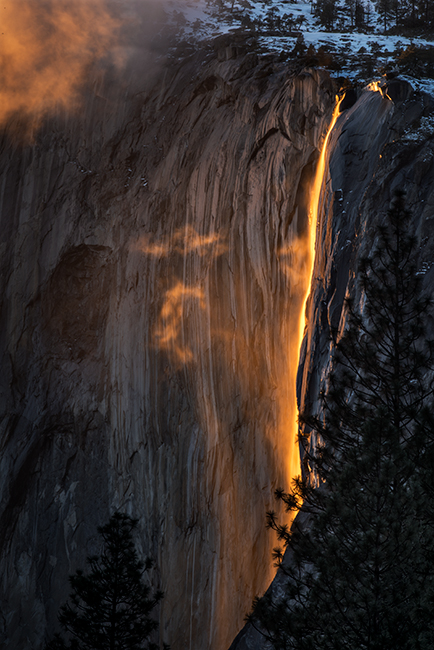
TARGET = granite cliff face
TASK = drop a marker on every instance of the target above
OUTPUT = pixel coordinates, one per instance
(380, 143)
(153, 271)
(150, 271)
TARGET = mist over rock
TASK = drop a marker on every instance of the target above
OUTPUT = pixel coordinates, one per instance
(148, 277)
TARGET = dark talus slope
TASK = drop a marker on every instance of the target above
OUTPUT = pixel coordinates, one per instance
(146, 301)
(382, 143)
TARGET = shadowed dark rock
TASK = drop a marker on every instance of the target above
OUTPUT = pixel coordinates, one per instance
(398, 90)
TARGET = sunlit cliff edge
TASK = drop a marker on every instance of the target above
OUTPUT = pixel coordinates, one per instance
(150, 271)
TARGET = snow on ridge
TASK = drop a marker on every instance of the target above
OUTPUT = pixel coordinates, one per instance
(360, 56)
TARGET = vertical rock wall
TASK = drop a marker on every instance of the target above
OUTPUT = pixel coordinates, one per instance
(147, 300)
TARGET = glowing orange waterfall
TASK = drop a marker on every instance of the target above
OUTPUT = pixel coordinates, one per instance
(308, 251)
(313, 215)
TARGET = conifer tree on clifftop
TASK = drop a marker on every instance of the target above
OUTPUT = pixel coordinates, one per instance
(359, 571)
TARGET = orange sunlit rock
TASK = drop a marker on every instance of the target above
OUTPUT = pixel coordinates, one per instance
(170, 331)
(46, 47)
(185, 240)
(295, 262)
(170, 334)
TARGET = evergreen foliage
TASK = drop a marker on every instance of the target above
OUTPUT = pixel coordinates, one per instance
(406, 17)
(360, 574)
(110, 607)
(326, 12)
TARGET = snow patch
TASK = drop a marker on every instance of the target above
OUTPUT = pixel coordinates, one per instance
(284, 25)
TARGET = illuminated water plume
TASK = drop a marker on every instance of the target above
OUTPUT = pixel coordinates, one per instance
(313, 212)
(305, 253)
(374, 87)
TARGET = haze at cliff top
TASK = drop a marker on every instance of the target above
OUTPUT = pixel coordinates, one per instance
(47, 48)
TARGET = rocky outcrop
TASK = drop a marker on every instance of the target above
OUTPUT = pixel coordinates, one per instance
(382, 142)
(147, 339)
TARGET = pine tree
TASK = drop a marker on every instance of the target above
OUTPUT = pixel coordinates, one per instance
(326, 12)
(110, 607)
(387, 9)
(359, 573)
(359, 14)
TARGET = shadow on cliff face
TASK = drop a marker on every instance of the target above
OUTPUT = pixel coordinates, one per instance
(77, 302)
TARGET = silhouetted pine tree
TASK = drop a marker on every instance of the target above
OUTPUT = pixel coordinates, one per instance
(110, 607)
(387, 9)
(326, 12)
(359, 14)
(359, 571)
